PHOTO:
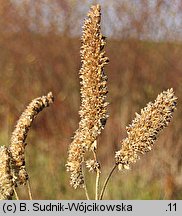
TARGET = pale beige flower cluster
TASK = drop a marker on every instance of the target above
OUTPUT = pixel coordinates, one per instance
(145, 128)
(6, 183)
(18, 138)
(12, 158)
(92, 165)
(93, 109)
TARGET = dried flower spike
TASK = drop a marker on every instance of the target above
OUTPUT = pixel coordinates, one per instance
(93, 109)
(6, 183)
(92, 165)
(144, 129)
(18, 138)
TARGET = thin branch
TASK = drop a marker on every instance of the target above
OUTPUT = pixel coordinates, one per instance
(86, 192)
(96, 169)
(84, 185)
(106, 182)
(97, 184)
(16, 195)
(29, 189)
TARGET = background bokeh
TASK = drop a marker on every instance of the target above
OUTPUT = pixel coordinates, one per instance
(39, 52)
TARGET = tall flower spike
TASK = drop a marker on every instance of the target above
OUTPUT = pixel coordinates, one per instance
(18, 138)
(144, 129)
(6, 183)
(93, 109)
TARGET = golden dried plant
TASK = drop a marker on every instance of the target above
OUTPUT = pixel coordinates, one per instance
(6, 182)
(143, 131)
(93, 109)
(19, 135)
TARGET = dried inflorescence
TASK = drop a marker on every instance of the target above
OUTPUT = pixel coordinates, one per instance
(18, 138)
(6, 183)
(93, 109)
(144, 129)
(92, 165)
(74, 162)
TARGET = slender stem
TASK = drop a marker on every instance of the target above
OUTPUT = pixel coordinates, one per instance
(97, 184)
(106, 181)
(29, 189)
(85, 186)
(97, 170)
(86, 192)
(16, 195)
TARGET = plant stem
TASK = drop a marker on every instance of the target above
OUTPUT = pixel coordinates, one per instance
(29, 189)
(86, 192)
(84, 185)
(97, 184)
(97, 170)
(106, 181)
(16, 195)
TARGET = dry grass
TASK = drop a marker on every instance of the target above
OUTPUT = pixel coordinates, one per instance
(93, 115)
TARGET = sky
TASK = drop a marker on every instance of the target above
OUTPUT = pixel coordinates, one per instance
(118, 17)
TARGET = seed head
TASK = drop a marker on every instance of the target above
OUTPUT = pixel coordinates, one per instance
(93, 109)
(6, 183)
(18, 138)
(92, 165)
(143, 131)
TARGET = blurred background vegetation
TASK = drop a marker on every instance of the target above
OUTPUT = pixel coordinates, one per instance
(39, 52)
